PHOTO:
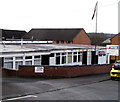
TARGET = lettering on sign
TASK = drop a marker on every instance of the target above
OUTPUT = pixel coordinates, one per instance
(102, 53)
(113, 50)
(39, 69)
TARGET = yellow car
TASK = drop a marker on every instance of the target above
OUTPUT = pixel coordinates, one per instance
(115, 72)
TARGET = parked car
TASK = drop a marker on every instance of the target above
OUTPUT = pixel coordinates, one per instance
(115, 71)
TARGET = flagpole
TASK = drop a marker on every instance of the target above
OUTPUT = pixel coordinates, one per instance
(96, 17)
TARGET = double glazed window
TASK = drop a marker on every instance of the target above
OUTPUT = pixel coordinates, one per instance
(8, 62)
(79, 56)
(18, 61)
(37, 60)
(63, 58)
(75, 57)
(68, 57)
(57, 58)
(14, 62)
(28, 60)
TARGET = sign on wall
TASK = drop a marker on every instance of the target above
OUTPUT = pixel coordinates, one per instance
(39, 69)
(101, 52)
(113, 50)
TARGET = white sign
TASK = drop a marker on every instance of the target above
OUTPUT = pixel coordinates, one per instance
(39, 69)
(113, 50)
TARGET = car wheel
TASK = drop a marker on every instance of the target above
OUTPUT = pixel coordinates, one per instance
(112, 78)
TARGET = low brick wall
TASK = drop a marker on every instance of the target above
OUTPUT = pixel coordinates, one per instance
(64, 71)
(6, 72)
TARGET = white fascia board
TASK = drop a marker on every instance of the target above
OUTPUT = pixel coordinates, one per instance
(24, 54)
(26, 42)
(57, 51)
(36, 53)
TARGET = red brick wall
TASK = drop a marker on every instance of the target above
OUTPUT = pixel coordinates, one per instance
(71, 71)
(115, 40)
(82, 38)
(8, 72)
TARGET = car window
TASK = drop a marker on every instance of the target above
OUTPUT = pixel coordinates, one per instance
(117, 65)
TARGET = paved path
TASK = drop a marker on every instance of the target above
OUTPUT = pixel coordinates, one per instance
(106, 90)
(14, 87)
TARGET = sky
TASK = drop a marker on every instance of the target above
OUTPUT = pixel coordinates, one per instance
(28, 14)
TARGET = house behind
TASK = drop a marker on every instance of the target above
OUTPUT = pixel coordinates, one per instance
(60, 36)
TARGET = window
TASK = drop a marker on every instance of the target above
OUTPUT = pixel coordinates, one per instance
(8, 65)
(52, 55)
(8, 59)
(57, 58)
(8, 62)
(18, 63)
(57, 42)
(68, 42)
(75, 57)
(28, 57)
(79, 56)
(37, 57)
(62, 42)
(19, 58)
(69, 57)
(28, 62)
(63, 54)
(60, 58)
(57, 54)
(75, 53)
(63, 58)
(37, 60)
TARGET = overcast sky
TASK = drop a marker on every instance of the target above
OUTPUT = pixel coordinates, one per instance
(27, 14)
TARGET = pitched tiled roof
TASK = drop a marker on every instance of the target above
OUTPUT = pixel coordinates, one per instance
(99, 38)
(65, 34)
(116, 35)
(9, 34)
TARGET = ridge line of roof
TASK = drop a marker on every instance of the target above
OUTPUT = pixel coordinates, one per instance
(57, 28)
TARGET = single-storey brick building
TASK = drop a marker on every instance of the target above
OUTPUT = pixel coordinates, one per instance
(65, 60)
(51, 54)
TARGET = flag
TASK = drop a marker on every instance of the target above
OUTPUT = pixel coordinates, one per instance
(95, 10)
